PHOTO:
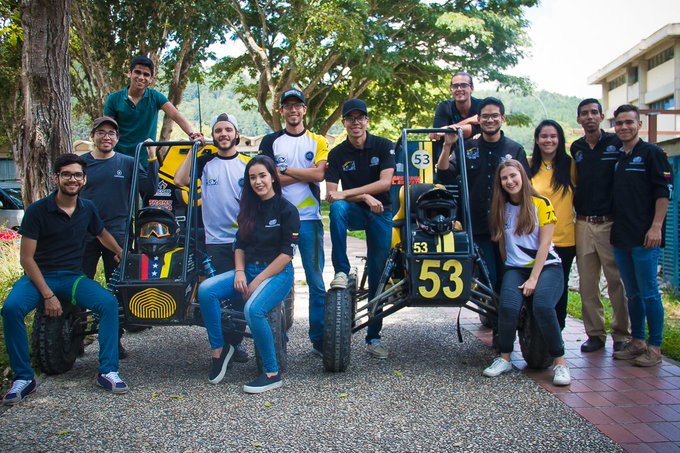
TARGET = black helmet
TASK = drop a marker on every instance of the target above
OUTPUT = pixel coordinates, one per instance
(436, 211)
(157, 231)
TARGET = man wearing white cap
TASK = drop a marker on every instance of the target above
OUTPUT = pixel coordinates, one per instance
(221, 178)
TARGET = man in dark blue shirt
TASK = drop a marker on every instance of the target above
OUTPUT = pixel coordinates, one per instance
(53, 235)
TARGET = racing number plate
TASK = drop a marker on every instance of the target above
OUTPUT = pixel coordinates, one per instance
(441, 279)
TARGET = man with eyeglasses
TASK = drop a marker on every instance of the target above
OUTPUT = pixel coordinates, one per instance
(221, 177)
(461, 110)
(300, 157)
(482, 156)
(53, 234)
(136, 107)
(109, 184)
(364, 163)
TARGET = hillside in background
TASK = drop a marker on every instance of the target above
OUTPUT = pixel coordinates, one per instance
(213, 102)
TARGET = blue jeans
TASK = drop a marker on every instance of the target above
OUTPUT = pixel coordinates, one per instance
(271, 293)
(25, 297)
(492, 258)
(311, 253)
(638, 267)
(345, 216)
(547, 294)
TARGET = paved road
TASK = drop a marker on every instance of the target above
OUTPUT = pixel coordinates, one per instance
(428, 396)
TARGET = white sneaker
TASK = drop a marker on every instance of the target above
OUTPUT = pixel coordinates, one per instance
(377, 349)
(340, 281)
(497, 367)
(562, 375)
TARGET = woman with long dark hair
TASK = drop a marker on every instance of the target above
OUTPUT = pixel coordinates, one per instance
(553, 175)
(522, 222)
(264, 248)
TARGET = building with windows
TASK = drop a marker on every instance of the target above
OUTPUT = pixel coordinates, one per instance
(648, 75)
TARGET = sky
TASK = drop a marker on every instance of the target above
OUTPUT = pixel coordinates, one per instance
(572, 39)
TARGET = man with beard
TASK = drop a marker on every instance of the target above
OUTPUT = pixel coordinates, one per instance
(136, 107)
(300, 156)
(221, 178)
(482, 157)
(109, 177)
(53, 237)
(596, 155)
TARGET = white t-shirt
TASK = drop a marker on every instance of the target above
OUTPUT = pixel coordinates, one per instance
(520, 251)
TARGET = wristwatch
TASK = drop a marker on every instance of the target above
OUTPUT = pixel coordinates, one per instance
(283, 169)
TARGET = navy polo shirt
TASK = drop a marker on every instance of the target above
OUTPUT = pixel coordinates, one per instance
(61, 239)
(359, 167)
(595, 169)
(641, 177)
(447, 113)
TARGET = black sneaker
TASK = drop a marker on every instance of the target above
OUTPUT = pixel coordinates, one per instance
(263, 383)
(219, 366)
(240, 354)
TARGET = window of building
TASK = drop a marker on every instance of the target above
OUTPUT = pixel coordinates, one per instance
(663, 104)
(660, 58)
(633, 76)
(617, 82)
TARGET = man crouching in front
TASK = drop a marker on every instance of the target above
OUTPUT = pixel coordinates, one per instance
(53, 234)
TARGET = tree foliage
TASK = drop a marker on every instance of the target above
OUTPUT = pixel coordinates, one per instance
(11, 37)
(390, 53)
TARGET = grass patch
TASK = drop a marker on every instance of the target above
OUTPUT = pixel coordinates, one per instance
(325, 209)
(670, 345)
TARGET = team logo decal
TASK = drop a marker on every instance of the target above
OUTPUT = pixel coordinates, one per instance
(280, 160)
(309, 155)
(611, 149)
(240, 182)
(211, 182)
(578, 156)
(119, 174)
(349, 166)
(472, 153)
(637, 160)
(272, 223)
(374, 161)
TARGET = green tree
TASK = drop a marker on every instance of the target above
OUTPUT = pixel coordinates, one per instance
(11, 37)
(389, 52)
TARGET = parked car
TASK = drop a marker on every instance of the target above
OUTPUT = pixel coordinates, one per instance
(11, 207)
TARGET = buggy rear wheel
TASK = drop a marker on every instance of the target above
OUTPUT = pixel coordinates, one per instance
(337, 329)
(277, 322)
(289, 304)
(534, 349)
(57, 341)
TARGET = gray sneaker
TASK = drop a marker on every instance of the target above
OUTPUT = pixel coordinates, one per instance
(376, 349)
(630, 352)
(340, 281)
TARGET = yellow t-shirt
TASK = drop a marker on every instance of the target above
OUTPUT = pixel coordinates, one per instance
(562, 203)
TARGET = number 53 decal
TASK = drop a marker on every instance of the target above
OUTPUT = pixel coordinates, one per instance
(430, 277)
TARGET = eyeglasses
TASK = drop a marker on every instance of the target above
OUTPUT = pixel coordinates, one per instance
(110, 134)
(295, 106)
(490, 116)
(160, 230)
(78, 176)
(457, 86)
(355, 119)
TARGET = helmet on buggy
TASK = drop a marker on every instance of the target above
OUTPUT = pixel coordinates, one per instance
(157, 231)
(436, 211)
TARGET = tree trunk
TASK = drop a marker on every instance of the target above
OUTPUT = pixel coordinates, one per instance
(45, 131)
(178, 82)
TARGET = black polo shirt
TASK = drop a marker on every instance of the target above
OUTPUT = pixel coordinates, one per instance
(595, 169)
(359, 167)
(61, 239)
(275, 231)
(641, 177)
(481, 160)
(447, 113)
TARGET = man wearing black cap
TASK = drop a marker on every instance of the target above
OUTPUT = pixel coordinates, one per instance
(300, 157)
(109, 176)
(364, 163)
(221, 178)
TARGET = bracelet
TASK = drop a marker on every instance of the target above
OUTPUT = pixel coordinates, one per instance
(153, 159)
(48, 298)
(239, 270)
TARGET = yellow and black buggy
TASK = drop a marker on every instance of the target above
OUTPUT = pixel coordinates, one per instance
(157, 280)
(433, 261)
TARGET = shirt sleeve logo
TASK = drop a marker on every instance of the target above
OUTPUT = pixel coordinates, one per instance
(280, 160)
(349, 166)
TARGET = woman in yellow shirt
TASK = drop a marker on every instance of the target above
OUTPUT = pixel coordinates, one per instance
(553, 175)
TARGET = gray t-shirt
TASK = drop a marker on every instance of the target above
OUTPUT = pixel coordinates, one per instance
(108, 186)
